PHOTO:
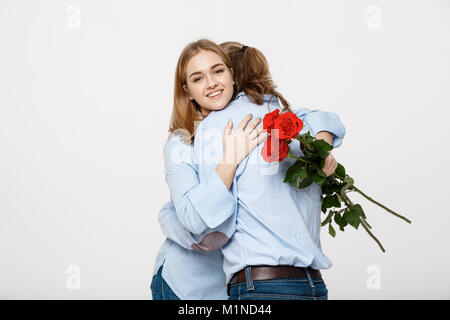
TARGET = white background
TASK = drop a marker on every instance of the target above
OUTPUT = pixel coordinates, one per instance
(86, 91)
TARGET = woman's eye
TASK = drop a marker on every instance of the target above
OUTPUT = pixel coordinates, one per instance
(219, 71)
(197, 79)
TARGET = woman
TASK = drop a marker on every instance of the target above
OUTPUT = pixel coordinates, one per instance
(203, 72)
(202, 272)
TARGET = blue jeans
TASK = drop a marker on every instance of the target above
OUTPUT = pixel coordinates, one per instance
(279, 289)
(160, 288)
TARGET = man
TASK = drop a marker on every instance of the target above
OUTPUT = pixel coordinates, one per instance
(277, 237)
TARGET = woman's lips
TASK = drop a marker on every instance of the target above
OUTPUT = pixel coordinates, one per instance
(215, 95)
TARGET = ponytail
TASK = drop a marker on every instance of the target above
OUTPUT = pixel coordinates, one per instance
(251, 73)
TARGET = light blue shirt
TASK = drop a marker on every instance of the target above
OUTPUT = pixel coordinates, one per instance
(276, 223)
(203, 214)
(192, 263)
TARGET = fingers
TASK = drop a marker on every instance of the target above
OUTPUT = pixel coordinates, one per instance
(255, 133)
(335, 167)
(244, 121)
(258, 138)
(228, 128)
(252, 126)
(244, 138)
(329, 171)
(330, 165)
(246, 127)
(263, 136)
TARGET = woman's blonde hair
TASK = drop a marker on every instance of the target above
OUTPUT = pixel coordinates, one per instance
(186, 112)
(251, 73)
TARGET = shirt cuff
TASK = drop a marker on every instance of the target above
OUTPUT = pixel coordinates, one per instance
(213, 201)
(327, 121)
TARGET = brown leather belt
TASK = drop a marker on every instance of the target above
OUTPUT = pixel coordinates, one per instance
(274, 272)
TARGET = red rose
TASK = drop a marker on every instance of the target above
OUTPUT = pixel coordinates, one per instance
(269, 119)
(288, 125)
(270, 155)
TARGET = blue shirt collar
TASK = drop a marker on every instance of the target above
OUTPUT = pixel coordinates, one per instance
(243, 96)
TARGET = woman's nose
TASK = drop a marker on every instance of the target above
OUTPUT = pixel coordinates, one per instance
(211, 82)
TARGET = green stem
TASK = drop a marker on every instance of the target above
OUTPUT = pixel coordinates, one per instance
(371, 234)
(347, 200)
(304, 142)
(302, 160)
(379, 204)
(367, 224)
(349, 203)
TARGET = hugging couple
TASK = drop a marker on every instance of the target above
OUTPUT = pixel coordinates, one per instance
(234, 230)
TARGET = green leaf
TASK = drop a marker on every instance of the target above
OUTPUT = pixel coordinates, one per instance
(319, 170)
(305, 182)
(306, 143)
(340, 221)
(322, 147)
(340, 170)
(358, 211)
(330, 202)
(302, 172)
(352, 218)
(317, 179)
(336, 202)
(331, 185)
(331, 230)
(308, 153)
(328, 218)
(322, 154)
(307, 136)
(294, 173)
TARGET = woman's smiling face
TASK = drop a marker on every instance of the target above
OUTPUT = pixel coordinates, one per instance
(209, 81)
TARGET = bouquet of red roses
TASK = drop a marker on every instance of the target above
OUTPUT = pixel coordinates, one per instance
(307, 169)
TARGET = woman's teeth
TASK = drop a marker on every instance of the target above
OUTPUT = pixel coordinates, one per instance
(215, 94)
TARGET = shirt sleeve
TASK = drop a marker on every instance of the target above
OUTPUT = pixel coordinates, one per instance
(199, 205)
(172, 228)
(317, 120)
(209, 240)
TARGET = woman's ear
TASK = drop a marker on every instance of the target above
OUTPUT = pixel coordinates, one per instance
(187, 91)
(232, 74)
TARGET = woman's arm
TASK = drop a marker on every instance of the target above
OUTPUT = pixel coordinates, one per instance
(210, 240)
(189, 196)
(325, 135)
(179, 219)
(319, 123)
(330, 164)
(171, 227)
(326, 126)
(195, 201)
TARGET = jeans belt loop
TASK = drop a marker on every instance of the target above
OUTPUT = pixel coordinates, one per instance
(311, 283)
(249, 278)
